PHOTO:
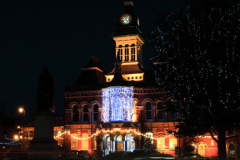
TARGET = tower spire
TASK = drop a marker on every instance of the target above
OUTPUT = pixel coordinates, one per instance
(129, 40)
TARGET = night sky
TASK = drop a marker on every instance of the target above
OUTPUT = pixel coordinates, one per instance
(62, 35)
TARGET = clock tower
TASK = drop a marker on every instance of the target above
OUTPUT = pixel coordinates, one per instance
(129, 40)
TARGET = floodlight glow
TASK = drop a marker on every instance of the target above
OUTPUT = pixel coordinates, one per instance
(117, 104)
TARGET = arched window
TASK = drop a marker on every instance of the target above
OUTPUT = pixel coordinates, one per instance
(95, 113)
(107, 144)
(126, 53)
(75, 115)
(232, 150)
(160, 111)
(148, 108)
(119, 53)
(85, 113)
(129, 143)
(133, 52)
(119, 143)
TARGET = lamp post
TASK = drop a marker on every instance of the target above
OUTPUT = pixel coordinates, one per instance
(16, 138)
(141, 122)
(21, 110)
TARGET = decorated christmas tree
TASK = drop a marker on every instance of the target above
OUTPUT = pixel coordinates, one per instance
(148, 144)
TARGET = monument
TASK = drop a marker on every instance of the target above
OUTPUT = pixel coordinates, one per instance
(43, 145)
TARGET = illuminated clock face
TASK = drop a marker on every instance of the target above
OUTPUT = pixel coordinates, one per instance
(126, 19)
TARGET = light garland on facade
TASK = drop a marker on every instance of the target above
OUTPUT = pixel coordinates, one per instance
(117, 104)
(206, 136)
(128, 131)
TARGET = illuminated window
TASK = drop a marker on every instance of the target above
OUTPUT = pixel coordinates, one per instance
(130, 143)
(85, 113)
(75, 115)
(74, 142)
(126, 53)
(172, 143)
(117, 104)
(84, 141)
(133, 52)
(119, 54)
(212, 142)
(30, 134)
(108, 143)
(160, 111)
(95, 113)
(119, 138)
(119, 143)
(161, 143)
(148, 108)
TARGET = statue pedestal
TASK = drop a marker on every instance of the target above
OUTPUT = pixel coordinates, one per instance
(43, 145)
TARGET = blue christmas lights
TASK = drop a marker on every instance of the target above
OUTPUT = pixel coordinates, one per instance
(117, 104)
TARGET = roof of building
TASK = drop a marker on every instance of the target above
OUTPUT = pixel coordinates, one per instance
(94, 62)
(128, 69)
(92, 73)
(89, 80)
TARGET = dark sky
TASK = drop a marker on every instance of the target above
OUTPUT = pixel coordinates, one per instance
(62, 35)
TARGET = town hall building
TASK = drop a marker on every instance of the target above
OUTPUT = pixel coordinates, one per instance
(112, 111)
(116, 111)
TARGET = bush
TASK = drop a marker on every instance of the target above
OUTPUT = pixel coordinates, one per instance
(188, 149)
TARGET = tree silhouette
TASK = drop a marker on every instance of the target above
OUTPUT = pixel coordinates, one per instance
(199, 66)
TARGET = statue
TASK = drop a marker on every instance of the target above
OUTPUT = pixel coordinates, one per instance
(45, 90)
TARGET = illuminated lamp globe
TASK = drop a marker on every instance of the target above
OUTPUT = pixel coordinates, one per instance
(21, 110)
(16, 137)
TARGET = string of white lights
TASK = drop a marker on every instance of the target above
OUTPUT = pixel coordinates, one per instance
(128, 131)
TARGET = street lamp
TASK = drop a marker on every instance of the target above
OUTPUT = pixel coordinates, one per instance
(141, 122)
(21, 110)
(16, 137)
